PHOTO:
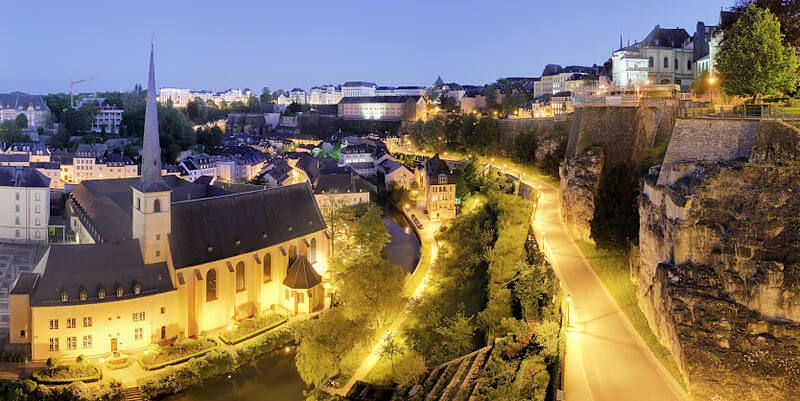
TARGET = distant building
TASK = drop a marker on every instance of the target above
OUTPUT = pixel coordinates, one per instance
(298, 96)
(194, 167)
(386, 108)
(438, 186)
(554, 78)
(24, 204)
(358, 89)
(338, 190)
(664, 57)
(108, 118)
(179, 97)
(32, 106)
(396, 173)
(325, 94)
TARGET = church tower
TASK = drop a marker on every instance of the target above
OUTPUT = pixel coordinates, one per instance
(151, 196)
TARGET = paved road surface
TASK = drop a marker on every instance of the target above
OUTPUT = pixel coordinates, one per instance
(606, 360)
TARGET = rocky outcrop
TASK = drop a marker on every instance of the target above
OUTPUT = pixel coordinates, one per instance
(718, 264)
(580, 181)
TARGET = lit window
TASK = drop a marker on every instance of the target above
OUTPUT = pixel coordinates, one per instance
(119, 292)
(138, 333)
(71, 323)
(137, 289)
(101, 294)
(83, 295)
(267, 268)
(54, 344)
(53, 324)
(72, 343)
(240, 277)
(64, 296)
(87, 342)
(87, 321)
(211, 285)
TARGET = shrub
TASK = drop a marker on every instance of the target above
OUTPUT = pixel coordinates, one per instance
(12, 357)
(252, 327)
(182, 350)
(268, 342)
(65, 374)
(28, 390)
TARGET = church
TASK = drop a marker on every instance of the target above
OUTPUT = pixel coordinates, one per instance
(158, 257)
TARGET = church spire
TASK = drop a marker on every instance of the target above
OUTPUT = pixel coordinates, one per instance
(150, 179)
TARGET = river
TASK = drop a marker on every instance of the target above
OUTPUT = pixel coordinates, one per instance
(274, 377)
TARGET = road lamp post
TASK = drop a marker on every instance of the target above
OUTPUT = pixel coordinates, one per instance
(711, 81)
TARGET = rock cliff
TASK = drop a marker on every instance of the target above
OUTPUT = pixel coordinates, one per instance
(718, 265)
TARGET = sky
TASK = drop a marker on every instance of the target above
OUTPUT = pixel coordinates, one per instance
(283, 44)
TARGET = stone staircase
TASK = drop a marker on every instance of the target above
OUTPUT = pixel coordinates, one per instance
(451, 381)
(133, 394)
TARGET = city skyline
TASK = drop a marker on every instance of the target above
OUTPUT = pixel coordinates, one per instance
(408, 44)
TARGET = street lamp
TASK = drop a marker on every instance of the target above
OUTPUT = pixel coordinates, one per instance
(568, 313)
(711, 81)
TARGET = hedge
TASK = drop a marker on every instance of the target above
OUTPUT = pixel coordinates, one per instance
(65, 374)
(12, 357)
(28, 390)
(178, 359)
(252, 327)
(214, 363)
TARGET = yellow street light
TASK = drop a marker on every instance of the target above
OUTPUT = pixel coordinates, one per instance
(712, 79)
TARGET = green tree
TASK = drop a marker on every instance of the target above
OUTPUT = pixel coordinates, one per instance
(701, 85)
(57, 103)
(369, 232)
(372, 288)
(211, 139)
(266, 95)
(753, 60)
(787, 12)
(391, 349)
(197, 111)
(21, 121)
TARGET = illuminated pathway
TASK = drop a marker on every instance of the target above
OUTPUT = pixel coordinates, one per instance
(606, 360)
(426, 236)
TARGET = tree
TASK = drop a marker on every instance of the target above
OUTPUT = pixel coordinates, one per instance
(211, 139)
(753, 60)
(701, 85)
(787, 12)
(372, 288)
(391, 349)
(266, 95)
(21, 121)
(197, 111)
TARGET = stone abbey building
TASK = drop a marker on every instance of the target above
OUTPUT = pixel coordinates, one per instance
(158, 257)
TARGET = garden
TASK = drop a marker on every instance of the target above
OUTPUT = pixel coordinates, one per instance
(252, 326)
(181, 350)
(55, 373)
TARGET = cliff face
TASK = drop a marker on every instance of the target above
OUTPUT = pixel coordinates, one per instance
(718, 267)
(602, 139)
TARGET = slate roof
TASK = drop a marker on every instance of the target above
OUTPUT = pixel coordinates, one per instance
(21, 101)
(340, 183)
(90, 267)
(665, 37)
(301, 275)
(13, 157)
(22, 177)
(435, 166)
(239, 223)
(25, 283)
(106, 205)
(356, 84)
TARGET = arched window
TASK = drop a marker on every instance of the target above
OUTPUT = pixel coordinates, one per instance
(292, 254)
(137, 289)
(666, 62)
(267, 267)
(83, 295)
(650, 62)
(240, 283)
(101, 294)
(312, 250)
(211, 285)
(156, 205)
(676, 63)
(118, 291)
(64, 296)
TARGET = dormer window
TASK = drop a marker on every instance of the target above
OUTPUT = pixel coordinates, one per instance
(118, 291)
(64, 296)
(137, 289)
(442, 179)
(101, 294)
(83, 295)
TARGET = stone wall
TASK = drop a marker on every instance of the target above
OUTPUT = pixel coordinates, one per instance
(718, 264)
(580, 181)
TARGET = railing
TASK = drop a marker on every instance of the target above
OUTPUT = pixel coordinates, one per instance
(742, 112)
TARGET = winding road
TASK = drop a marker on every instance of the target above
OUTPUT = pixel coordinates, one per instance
(606, 360)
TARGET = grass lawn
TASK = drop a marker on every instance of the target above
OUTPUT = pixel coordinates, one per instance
(612, 268)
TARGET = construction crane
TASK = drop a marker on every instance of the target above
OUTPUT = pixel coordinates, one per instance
(73, 83)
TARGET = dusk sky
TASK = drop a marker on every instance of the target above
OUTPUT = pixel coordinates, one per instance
(284, 44)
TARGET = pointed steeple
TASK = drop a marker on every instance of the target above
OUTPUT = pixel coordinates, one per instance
(150, 180)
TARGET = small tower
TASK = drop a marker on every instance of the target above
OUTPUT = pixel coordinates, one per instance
(151, 196)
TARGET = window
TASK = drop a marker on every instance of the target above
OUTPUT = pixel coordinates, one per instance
(71, 323)
(72, 343)
(16, 195)
(442, 179)
(16, 233)
(157, 206)
(22, 333)
(53, 324)
(64, 296)
(312, 250)
(137, 289)
(16, 208)
(650, 62)
(16, 220)
(53, 344)
(158, 237)
(676, 64)
(267, 267)
(163, 332)
(163, 310)
(211, 285)
(240, 282)
(101, 294)
(138, 203)
(87, 321)
(138, 333)
(689, 65)
(666, 62)
(119, 292)
(87, 342)
(138, 316)
(37, 197)
(37, 222)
